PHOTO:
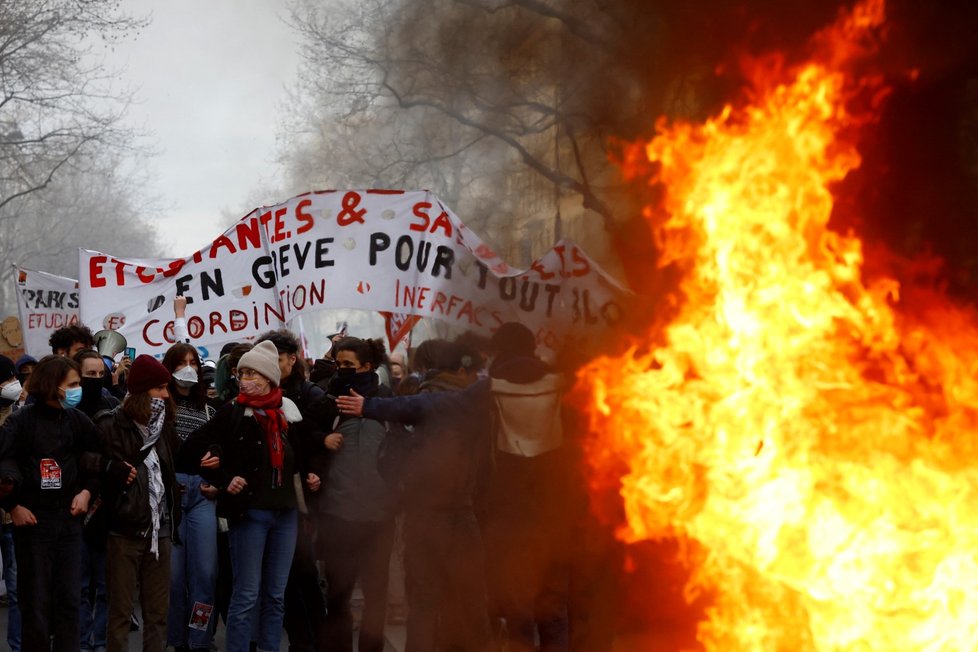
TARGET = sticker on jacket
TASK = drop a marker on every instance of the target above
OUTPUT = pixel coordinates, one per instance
(50, 474)
(200, 617)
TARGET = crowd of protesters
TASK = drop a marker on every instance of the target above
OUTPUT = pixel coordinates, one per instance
(264, 489)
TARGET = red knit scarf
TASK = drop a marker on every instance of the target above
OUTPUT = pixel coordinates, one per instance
(268, 413)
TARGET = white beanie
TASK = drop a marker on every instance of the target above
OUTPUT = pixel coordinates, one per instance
(263, 358)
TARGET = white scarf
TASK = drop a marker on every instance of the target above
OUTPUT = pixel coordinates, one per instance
(151, 434)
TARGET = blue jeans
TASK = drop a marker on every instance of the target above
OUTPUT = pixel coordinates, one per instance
(93, 618)
(262, 544)
(10, 580)
(193, 570)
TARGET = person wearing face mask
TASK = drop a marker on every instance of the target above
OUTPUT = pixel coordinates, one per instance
(193, 563)
(95, 397)
(356, 510)
(146, 516)
(94, 600)
(49, 468)
(252, 437)
(10, 387)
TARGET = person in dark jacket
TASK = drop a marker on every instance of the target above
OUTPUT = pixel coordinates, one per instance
(251, 437)
(49, 467)
(357, 507)
(145, 517)
(94, 599)
(305, 609)
(528, 515)
(442, 479)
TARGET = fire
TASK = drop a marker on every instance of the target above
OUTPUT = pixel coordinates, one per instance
(805, 433)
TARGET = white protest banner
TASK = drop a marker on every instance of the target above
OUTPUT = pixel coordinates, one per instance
(397, 251)
(46, 303)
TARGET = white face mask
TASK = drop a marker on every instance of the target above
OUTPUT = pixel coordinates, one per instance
(186, 377)
(11, 391)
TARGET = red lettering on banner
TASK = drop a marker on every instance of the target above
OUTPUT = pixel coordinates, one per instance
(95, 278)
(537, 267)
(120, 276)
(442, 222)
(583, 266)
(239, 320)
(280, 232)
(174, 268)
(143, 278)
(421, 210)
(248, 234)
(217, 322)
(411, 296)
(470, 312)
(306, 220)
(439, 302)
(222, 241)
(350, 214)
(146, 328)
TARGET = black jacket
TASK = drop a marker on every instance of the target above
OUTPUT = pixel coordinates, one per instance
(235, 436)
(123, 441)
(63, 441)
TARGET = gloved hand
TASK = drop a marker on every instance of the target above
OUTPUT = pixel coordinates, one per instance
(120, 473)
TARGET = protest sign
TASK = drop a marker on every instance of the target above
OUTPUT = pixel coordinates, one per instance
(401, 252)
(46, 302)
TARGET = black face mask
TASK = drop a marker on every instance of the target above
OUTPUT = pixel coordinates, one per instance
(322, 369)
(91, 392)
(340, 385)
(364, 383)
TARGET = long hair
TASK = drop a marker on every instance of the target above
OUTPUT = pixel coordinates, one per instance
(174, 356)
(137, 408)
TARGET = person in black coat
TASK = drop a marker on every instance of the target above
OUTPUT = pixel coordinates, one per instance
(50, 464)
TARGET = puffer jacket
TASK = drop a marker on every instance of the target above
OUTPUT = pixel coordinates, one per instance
(122, 441)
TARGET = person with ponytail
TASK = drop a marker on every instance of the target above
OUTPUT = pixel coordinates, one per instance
(145, 516)
(49, 467)
(356, 511)
(250, 437)
(193, 563)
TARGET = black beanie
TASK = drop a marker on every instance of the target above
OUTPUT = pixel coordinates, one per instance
(7, 370)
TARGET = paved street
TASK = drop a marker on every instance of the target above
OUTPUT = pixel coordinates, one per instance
(396, 636)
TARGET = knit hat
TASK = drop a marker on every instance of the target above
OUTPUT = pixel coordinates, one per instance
(146, 373)
(263, 358)
(515, 339)
(6, 368)
(23, 361)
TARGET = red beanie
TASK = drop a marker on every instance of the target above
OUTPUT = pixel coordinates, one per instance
(145, 374)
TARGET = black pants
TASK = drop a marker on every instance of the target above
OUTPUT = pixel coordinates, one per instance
(351, 550)
(529, 581)
(49, 581)
(446, 582)
(305, 610)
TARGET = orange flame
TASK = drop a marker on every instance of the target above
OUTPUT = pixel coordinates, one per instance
(804, 431)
